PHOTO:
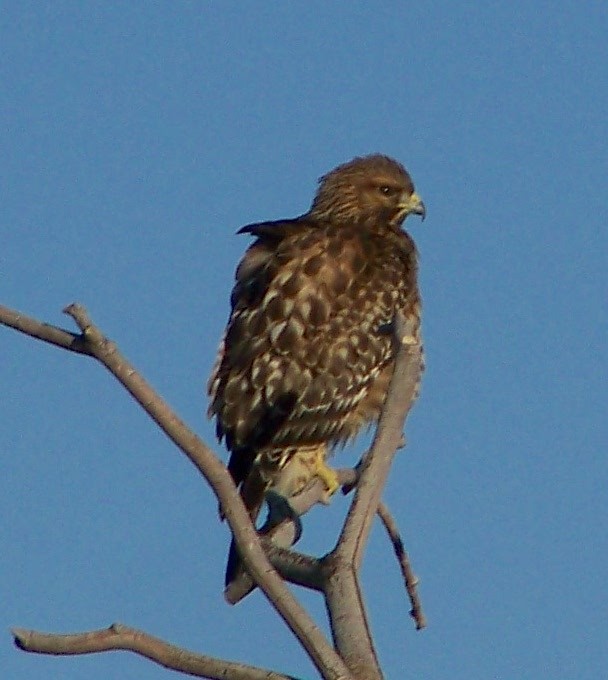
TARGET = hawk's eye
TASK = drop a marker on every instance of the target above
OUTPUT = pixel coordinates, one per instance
(387, 191)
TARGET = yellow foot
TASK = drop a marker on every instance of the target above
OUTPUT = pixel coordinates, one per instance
(409, 340)
(327, 475)
(301, 467)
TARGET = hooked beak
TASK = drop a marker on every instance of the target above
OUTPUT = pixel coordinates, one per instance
(412, 204)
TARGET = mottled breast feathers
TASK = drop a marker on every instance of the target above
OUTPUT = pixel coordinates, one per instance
(305, 342)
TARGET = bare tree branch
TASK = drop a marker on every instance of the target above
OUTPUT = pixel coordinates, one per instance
(326, 660)
(410, 579)
(43, 331)
(307, 571)
(348, 618)
(296, 567)
(336, 575)
(122, 637)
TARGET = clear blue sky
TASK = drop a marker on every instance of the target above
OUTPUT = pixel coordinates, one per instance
(136, 138)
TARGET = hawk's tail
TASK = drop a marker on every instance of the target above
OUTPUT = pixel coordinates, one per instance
(252, 493)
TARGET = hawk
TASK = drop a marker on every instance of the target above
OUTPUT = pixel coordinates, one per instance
(306, 360)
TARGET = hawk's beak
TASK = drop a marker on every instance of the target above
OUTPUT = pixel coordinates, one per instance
(412, 204)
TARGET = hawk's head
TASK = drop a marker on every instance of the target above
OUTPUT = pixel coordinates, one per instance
(375, 187)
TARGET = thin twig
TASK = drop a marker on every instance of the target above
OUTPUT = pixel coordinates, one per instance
(118, 636)
(410, 579)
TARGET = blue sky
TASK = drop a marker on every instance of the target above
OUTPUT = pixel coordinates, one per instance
(136, 139)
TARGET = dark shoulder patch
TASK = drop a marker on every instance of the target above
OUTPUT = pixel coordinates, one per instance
(276, 230)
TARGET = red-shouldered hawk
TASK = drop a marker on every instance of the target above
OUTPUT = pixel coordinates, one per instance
(306, 360)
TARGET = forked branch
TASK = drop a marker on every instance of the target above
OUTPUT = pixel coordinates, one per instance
(336, 575)
(92, 342)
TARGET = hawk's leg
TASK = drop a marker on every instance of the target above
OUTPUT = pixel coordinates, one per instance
(313, 460)
(279, 509)
(289, 471)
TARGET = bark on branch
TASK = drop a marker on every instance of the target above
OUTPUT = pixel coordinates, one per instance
(118, 636)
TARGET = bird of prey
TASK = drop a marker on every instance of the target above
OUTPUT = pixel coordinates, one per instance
(306, 360)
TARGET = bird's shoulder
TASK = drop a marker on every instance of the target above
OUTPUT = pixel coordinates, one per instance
(320, 256)
(276, 230)
(293, 236)
(299, 253)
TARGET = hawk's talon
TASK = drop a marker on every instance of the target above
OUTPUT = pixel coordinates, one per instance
(409, 340)
(328, 476)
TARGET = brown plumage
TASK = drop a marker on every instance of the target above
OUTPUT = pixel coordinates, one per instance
(306, 360)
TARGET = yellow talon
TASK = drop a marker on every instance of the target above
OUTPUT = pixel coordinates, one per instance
(326, 474)
(409, 340)
(299, 469)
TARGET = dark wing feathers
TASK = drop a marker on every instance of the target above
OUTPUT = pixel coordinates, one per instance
(274, 230)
